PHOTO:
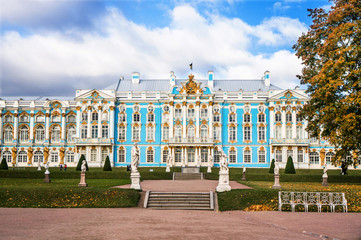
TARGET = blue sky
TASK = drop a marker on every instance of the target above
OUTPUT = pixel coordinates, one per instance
(50, 47)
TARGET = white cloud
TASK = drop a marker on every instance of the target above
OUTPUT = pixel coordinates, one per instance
(120, 46)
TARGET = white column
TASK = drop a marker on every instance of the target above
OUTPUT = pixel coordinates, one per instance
(210, 125)
(186, 155)
(99, 123)
(184, 120)
(171, 120)
(47, 122)
(111, 127)
(16, 123)
(304, 129)
(31, 126)
(89, 122)
(197, 120)
(78, 121)
(1, 125)
(100, 154)
(63, 126)
(294, 135)
(283, 132)
(271, 125)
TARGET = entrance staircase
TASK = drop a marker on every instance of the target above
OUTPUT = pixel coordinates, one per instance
(187, 176)
(179, 200)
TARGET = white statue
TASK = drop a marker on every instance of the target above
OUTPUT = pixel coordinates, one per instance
(46, 166)
(325, 172)
(277, 169)
(244, 169)
(135, 158)
(183, 160)
(223, 163)
(210, 160)
(170, 160)
(83, 166)
(199, 160)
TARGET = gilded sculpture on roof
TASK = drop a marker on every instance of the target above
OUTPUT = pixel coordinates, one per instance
(191, 86)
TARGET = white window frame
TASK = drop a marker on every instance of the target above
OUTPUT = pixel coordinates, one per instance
(121, 155)
(150, 155)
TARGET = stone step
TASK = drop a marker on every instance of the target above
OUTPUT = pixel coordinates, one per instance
(187, 176)
(182, 208)
(177, 196)
(177, 205)
(178, 199)
(181, 193)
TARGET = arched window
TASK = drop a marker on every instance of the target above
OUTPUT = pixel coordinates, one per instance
(121, 133)
(150, 133)
(136, 133)
(39, 134)
(232, 156)
(84, 131)
(71, 134)
(178, 133)
(38, 156)
(150, 155)
(261, 156)
(191, 133)
(165, 155)
(232, 133)
(8, 134)
(121, 155)
(247, 156)
(94, 131)
(314, 158)
(40, 118)
(261, 133)
(95, 116)
(22, 157)
(69, 157)
(24, 134)
(105, 131)
(204, 133)
(71, 119)
(55, 134)
(54, 157)
(7, 156)
(165, 133)
(329, 157)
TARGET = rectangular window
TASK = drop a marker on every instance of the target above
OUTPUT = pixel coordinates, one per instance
(54, 157)
(289, 117)
(165, 155)
(121, 155)
(178, 155)
(299, 132)
(104, 155)
(278, 117)
(298, 118)
(289, 154)
(84, 116)
(94, 131)
(150, 133)
(165, 133)
(232, 133)
(278, 132)
(278, 155)
(191, 112)
(232, 157)
(204, 155)
(217, 133)
(93, 155)
(216, 118)
(178, 112)
(70, 157)
(105, 131)
(150, 117)
(247, 156)
(136, 117)
(261, 133)
(204, 113)
(136, 133)
(121, 133)
(246, 118)
(232, 118)
(84, 131)
(150, 156)
(216, 156)
(122, 117)
(261, 118)
(300, 156)
(247, 133)
(289, 132)
(261, 156)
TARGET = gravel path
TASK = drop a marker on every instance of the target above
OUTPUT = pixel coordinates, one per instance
(138, 223)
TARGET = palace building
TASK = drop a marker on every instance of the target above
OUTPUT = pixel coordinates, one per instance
(253, 122)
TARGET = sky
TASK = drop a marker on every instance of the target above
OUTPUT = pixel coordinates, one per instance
(53, 47)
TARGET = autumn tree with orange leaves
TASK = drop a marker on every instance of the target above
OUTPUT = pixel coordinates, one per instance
(331, 57)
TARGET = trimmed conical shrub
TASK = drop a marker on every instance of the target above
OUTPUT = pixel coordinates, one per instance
(107, 166)
(78, 167)
(272, 166)
(290, 168)
(4, 164)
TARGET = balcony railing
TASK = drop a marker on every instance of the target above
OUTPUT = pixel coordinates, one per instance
(93, 141)
(190, 140)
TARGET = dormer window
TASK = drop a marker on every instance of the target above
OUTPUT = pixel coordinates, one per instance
(71, 119)
(8, 119)
(40, 118)
(24, 118)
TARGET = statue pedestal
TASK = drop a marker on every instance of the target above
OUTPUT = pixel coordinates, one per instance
(47, 178)
(324, 181)
(244, 176)
(135, 178)
(209, 169)
(223, 183)
(167, 168)
(82, 180)
(277, 185)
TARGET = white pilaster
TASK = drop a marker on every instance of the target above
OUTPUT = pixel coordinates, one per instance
(294, 135)
(16, 123)
(1, 125)
(271, 128)
(111, 127)
(99, 123)
(47, 125)
(63, 124)
(89, 123)
(78, 122)
(210, 126)
(31, 126)
(184, 111)
(283, 132)
(197, 121)
(171, 120)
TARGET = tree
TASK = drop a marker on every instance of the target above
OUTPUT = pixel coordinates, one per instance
(331, 55)
(78, 167)
(107, 166)
(4, 164)
(290, 168)
(272, 167)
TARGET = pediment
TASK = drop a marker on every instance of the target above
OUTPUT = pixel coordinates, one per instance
(289, 95)
(94, 95)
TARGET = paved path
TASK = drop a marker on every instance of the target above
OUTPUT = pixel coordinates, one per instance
(138, 223)
(183, 185)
